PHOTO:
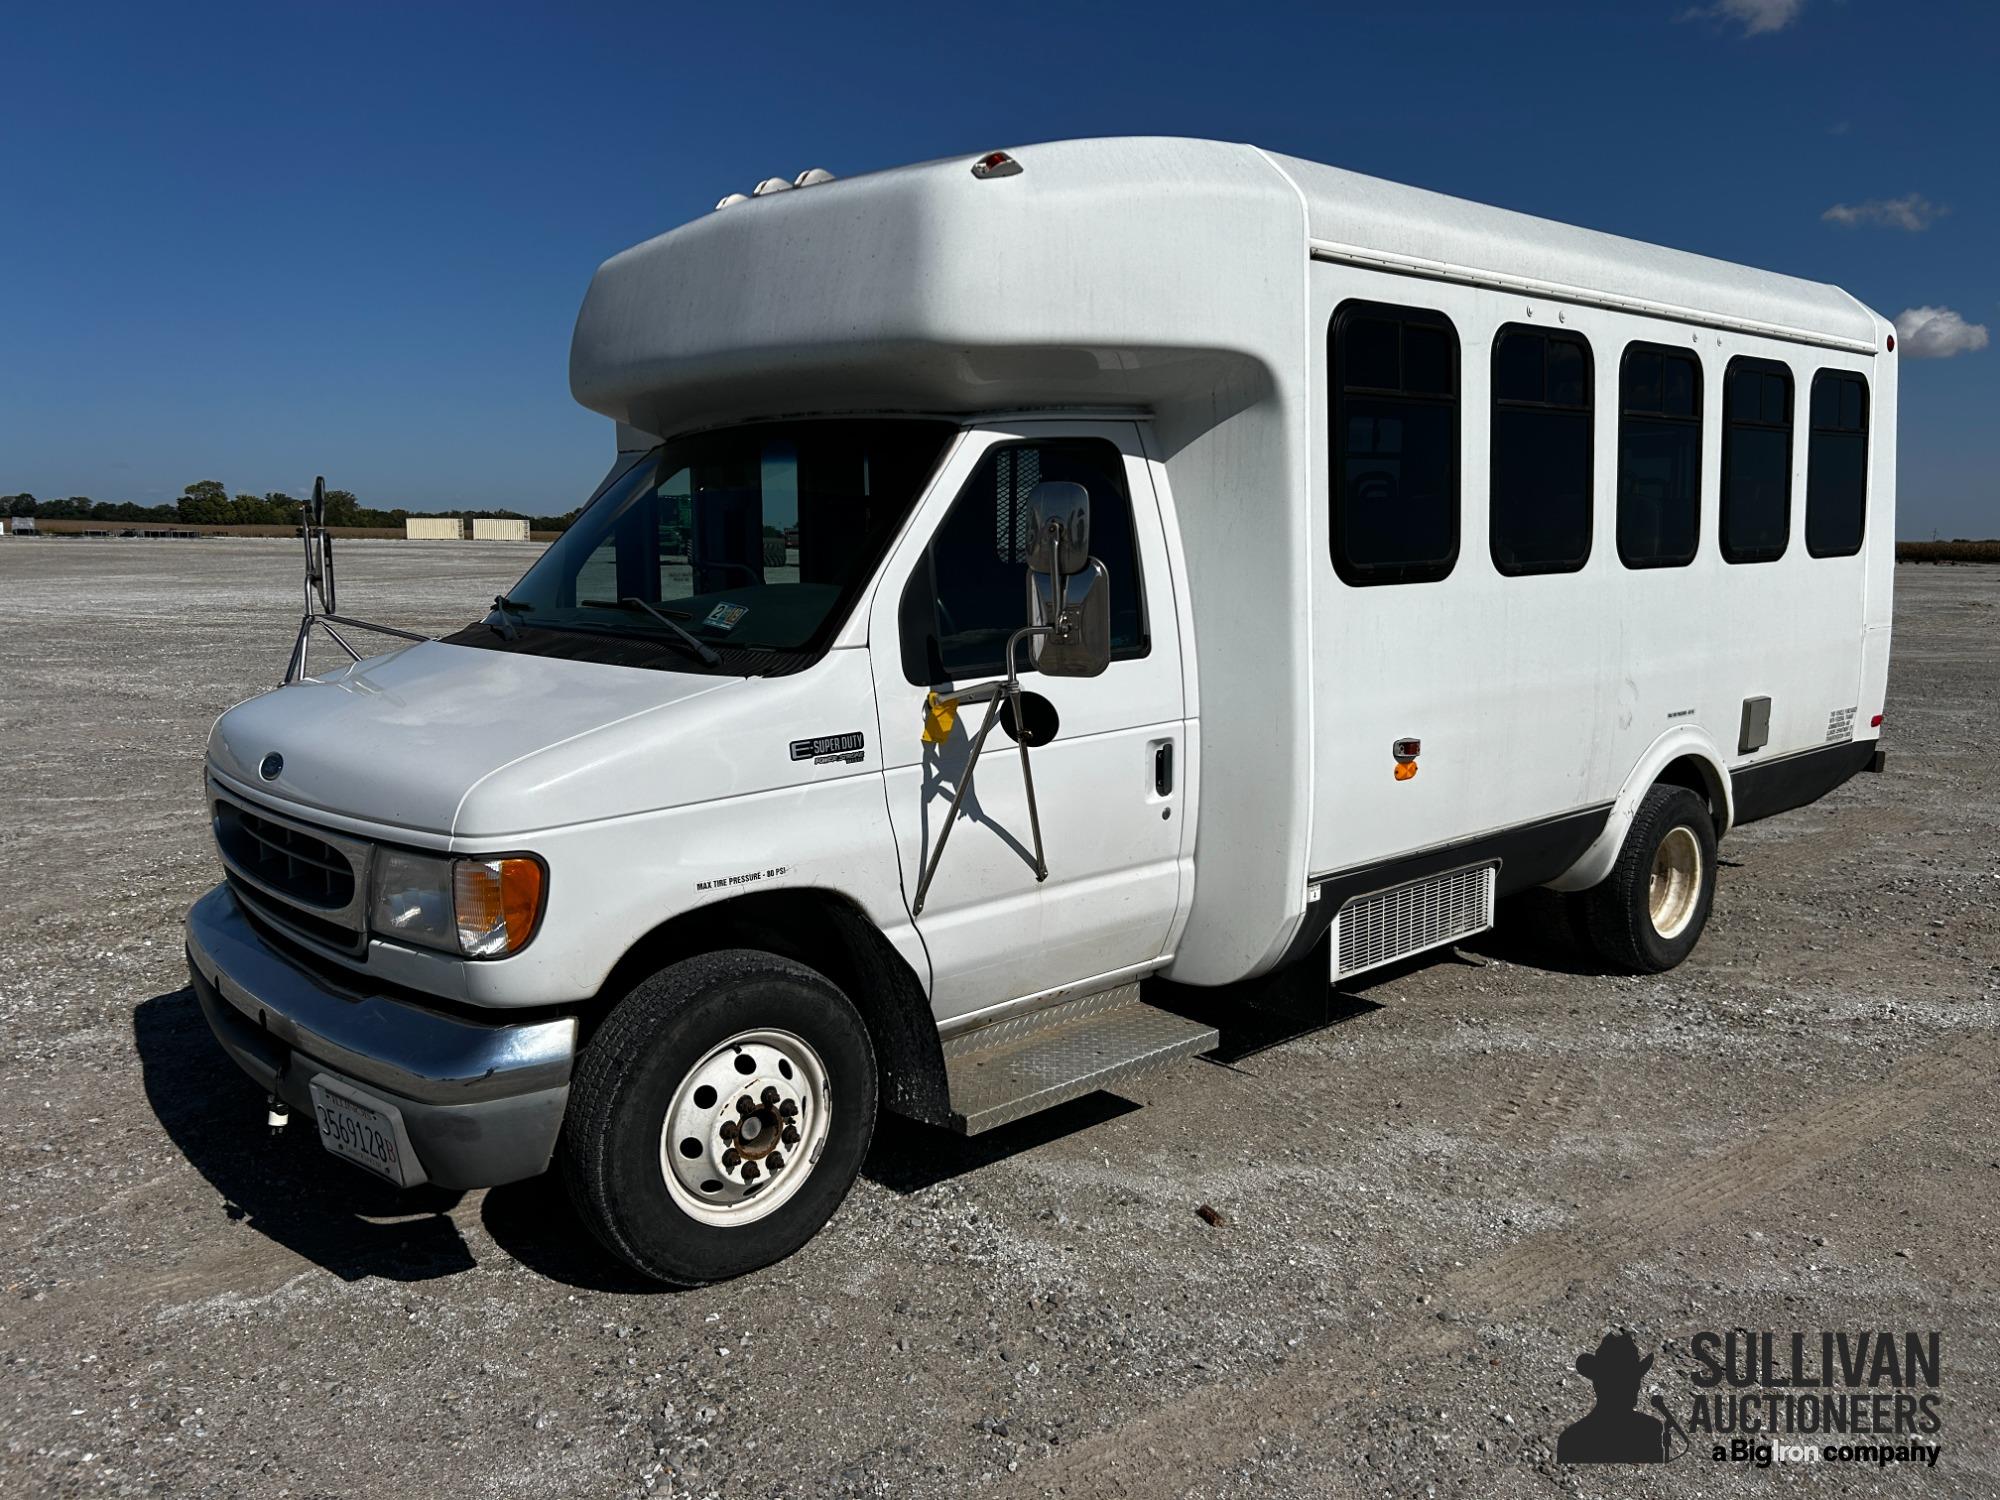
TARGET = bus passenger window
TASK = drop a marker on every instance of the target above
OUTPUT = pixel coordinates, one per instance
(1756, 460)
(1393, 429)
(1837, 464)
(1659, 456)
(1540, 498)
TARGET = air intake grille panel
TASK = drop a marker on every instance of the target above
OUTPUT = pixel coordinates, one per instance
(1384, 926)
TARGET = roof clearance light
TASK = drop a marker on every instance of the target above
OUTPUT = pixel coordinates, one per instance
(996, 164)
(770, 185)
(812, 177)
(734, 198)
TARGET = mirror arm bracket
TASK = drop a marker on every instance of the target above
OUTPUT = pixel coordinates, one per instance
(993, 694)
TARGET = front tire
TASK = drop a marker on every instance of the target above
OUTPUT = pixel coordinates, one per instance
(1649, 912)
(719, 1115)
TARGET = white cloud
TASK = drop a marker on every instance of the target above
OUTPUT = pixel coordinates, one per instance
(1936, 333)
(1755, 16)
(1912, 211)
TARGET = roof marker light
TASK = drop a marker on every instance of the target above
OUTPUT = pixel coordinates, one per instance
(996, 164)
(812, 177)
(734, 198)
(770, 185)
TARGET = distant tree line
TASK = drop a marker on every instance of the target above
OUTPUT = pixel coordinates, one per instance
(207, 502)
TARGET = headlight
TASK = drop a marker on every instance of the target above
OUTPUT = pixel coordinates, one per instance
(481, 908)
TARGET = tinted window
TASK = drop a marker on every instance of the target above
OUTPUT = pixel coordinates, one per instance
(1541, 451)
(1756, 460)
(970, 593)
(1659, 456)
(1393, 432)
(1837, 464)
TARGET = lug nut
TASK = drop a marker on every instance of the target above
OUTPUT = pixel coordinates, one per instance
(788, 1109)
(775, 1160)
(770, 1094)
(745, 1105)
(731, 1157)
(729, 1130)
(749, 1171)
(790, 1136)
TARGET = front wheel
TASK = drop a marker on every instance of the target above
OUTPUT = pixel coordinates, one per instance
(718, 1116)
(1649, 912)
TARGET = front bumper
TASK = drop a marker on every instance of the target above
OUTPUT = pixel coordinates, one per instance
(482, 1102)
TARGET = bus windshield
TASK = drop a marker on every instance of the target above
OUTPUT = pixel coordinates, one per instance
(747, 542)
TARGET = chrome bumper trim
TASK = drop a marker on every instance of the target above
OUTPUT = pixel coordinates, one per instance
(407, 1049)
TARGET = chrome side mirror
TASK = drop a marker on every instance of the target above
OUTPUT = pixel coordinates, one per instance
(319, 549)
(1058, 527)
(1078, 642)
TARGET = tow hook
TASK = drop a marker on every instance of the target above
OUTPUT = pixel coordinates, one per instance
(277, 1114)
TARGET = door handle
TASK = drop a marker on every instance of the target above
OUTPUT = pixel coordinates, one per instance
(1163, 767)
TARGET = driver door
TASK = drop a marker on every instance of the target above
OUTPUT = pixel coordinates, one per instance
(1108, 783)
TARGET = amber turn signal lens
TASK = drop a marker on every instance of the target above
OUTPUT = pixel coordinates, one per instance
(1405, 769)
(497, 902)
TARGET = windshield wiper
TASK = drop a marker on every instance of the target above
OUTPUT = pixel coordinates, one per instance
(503, 627)
(705, 653)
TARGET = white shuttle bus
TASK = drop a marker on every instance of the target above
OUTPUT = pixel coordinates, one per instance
(1301, 562)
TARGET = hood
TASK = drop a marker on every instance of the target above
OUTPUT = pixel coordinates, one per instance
(405, 738)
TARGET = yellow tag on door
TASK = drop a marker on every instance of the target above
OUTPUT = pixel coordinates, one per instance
(940, 714)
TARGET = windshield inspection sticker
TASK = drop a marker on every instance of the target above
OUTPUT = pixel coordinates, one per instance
(825, 749)
(726, 616)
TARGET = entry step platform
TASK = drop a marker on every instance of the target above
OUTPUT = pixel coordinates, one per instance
(1010, 1069)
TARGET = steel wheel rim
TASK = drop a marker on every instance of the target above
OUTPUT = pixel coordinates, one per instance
(724, 1164)
(1675, 886)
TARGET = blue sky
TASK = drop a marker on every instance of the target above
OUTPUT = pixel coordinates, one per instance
(251, 243)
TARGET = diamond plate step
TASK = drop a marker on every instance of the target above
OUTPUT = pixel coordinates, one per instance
(1013, 1068)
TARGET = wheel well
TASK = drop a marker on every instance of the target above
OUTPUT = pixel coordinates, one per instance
(829, 933)
(1701, 778)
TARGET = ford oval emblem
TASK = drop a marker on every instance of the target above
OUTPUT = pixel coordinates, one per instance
(271, 766)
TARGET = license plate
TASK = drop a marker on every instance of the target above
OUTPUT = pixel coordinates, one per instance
(365, 1134)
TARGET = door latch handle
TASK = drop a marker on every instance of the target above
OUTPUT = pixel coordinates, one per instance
(1163, 767)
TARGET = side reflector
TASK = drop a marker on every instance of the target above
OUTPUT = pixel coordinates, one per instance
(1405, 769)
(1876, 722)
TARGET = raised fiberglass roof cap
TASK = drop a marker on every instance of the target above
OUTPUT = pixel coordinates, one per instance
(1361, 219)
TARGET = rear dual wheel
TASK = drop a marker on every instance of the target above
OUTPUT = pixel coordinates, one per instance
(718, 1116)
(1649, 912)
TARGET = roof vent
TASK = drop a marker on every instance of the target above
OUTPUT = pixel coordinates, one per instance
(770, 185)
(996, 164)
(812, 177)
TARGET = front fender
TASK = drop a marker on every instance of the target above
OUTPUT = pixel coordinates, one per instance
(1682, 742)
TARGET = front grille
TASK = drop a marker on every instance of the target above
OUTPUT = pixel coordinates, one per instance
(1382, 927)
(290, 918)
(284, 860)
(308, 880)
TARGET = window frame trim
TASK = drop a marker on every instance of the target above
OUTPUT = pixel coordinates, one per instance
(1588, 411)
(1729, 426)
(1699, 421)
(1867, 453)
(1371, 575)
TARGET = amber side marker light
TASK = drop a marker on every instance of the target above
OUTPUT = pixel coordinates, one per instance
(498, 902)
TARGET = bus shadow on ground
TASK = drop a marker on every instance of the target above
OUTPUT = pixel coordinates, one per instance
(284, 1187)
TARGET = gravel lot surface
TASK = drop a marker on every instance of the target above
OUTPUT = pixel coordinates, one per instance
(1425, 1209)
